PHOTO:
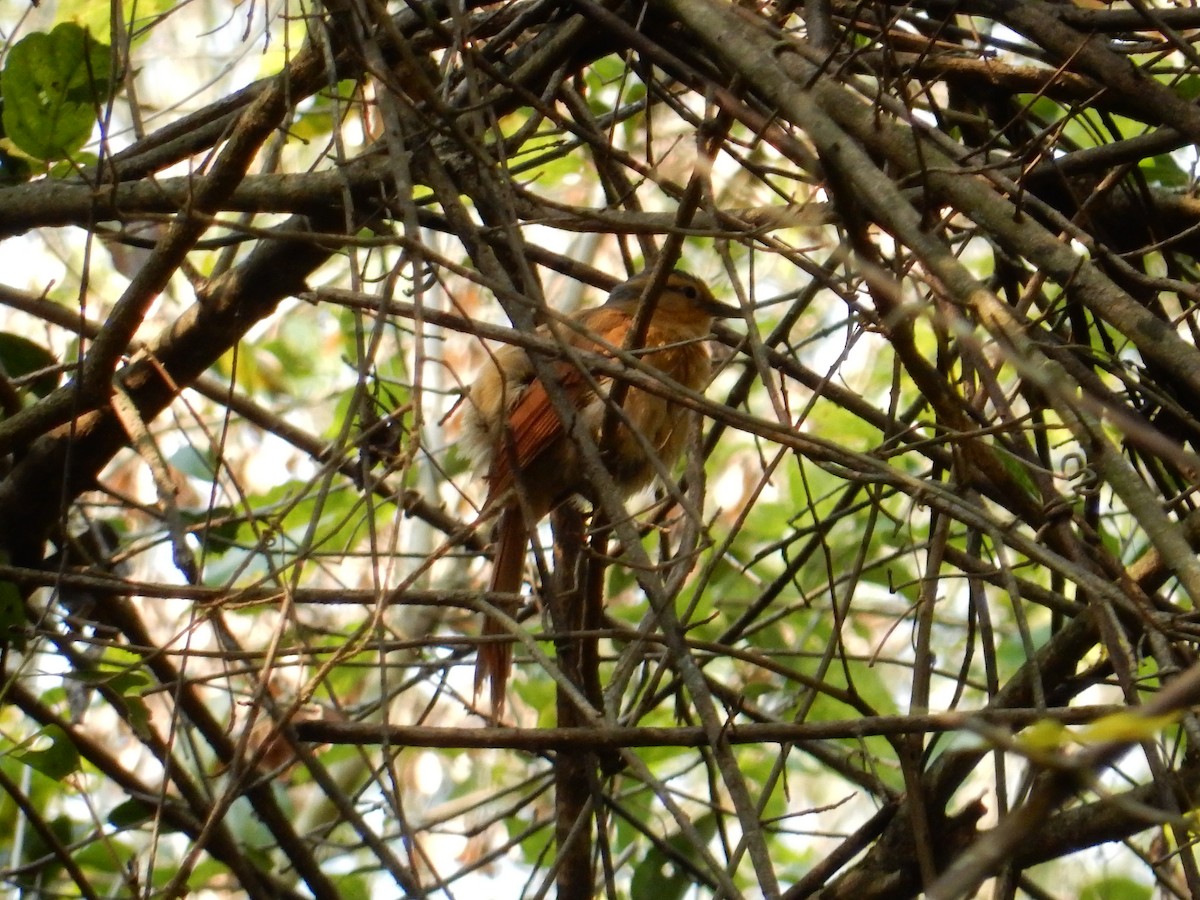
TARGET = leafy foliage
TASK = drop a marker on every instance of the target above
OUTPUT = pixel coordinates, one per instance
(53, 85)
(914, 615)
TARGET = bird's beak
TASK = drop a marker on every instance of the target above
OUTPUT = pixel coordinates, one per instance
(719, 310)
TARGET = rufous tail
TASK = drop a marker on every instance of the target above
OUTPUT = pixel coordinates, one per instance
(493, 663)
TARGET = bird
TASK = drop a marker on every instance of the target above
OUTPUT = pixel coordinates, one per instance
(533, 463)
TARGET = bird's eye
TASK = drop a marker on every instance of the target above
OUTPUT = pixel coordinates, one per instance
(690, 292)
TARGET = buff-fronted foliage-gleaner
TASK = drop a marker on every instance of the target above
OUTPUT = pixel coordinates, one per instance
(533, 463)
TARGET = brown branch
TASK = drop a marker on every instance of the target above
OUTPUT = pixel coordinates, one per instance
(535, 740)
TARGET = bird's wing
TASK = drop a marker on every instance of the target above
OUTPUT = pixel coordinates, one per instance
(533, 422)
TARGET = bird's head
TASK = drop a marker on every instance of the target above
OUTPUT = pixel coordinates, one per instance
(684, 297)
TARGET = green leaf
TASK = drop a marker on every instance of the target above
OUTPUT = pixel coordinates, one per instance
(1116, 888)
(659, 874)
(120, 669)
(222, 526)
(44, 862)
(14, 169)
(58, 760)
(53, 83)
(20, 356)
(1125, 726)
(1016, 469)
(124, 673)
(193, 463)
(1163, 171)
(96, 16)
(130, 814)
(1044, 736)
